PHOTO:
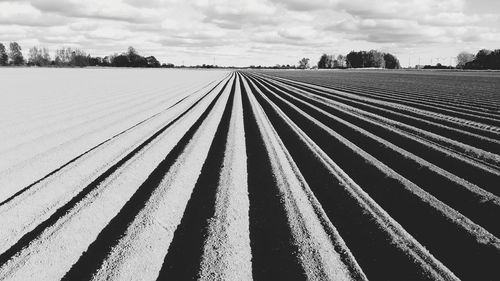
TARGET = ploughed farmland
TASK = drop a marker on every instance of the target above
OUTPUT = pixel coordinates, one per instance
(278, 175)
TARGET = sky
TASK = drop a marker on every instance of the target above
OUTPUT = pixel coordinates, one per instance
(255, 32)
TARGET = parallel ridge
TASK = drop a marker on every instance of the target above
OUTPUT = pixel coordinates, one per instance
(266, 178)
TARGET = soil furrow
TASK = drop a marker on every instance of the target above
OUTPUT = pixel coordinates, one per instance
(259, 174)
(184, 255)
(226, 251)
(90, 262)
(457, 193)
(321, 252)
(369, 232)
(31, 235)
(465, 125)
(440, 97)
(24, 189)
(273, 253)
(397, 196)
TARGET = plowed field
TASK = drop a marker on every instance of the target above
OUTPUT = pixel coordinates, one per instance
(219, 175)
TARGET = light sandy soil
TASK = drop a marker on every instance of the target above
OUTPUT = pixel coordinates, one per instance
(154, 174)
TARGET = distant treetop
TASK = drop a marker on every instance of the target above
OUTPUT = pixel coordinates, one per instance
(484, 59)
(74, 57)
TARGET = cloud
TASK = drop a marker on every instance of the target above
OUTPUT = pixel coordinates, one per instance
(309, 5)
(450, 19)
(145, 4)
(240, 30)
(11, 33)
(238, 13)
(394, 9)
(197, 39)
(407, 22)
(388, 31)
(21, 13)
(93, 9)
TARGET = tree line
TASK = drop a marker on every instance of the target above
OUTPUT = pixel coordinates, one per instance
(360, 59)
(484, 59)
(353, 59)
(74, 57)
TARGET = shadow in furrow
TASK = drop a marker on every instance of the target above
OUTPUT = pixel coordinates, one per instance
(454, 131)
(184, 256)
(274, 256)
(24, 189)
(370, 245)
(479, 208)
(59, 213)
(482, 107)
(474, 116)
(477, 175)
(437, 231)
(109, 237)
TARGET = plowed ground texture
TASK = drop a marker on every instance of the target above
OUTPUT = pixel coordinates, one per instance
(122, 174)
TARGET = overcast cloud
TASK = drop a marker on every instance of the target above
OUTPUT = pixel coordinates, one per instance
(267, 32)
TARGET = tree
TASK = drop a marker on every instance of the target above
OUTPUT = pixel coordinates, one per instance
(152, 62)
(325, 61)
(4, 58)
(139, 61)
(463, 58)
(495, 59)
(482, 58)
(108, 60)
(120, 61)
(15, 55)
(131, 52)
(95, 61)
(71, 57)
(485, 59)
(304, 63)
(356, 59)
(63, 57)
(322, 61)
(79, 58)
(38, 56)
(374, 58)
(340, 61)
(168, 65)
(135, 60)
(391, 62)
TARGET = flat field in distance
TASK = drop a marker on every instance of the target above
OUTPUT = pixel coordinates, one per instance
(155, 174)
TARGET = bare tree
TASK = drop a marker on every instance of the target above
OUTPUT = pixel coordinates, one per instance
(463, 58)
(375, 58)
(63, 56)
(39, 56)
(341, 61)
(79, 58)
(131, 51)
(71, 57)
